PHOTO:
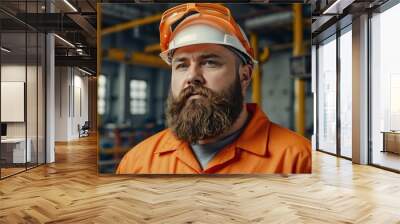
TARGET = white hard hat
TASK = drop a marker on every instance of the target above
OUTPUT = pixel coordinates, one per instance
(200, 33)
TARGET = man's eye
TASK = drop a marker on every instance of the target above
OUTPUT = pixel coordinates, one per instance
(210, 63)
(180, 66)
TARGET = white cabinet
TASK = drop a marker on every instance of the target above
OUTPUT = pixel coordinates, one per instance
(18, 149)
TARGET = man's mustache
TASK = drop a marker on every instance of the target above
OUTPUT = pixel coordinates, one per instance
(194, 90)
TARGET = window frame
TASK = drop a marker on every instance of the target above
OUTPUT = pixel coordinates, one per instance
(332, 33)
(378, 10)
(144, 99)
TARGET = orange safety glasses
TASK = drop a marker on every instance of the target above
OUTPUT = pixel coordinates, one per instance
(218, 14)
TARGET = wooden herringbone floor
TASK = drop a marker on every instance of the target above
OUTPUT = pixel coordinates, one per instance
(70, 191)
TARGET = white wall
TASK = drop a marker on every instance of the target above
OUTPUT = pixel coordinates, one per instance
(33, 127)
(81, 104)
(61, 103)
(71, 94)
(15, 73)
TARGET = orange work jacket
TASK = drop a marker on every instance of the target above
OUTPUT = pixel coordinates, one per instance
(262, 148)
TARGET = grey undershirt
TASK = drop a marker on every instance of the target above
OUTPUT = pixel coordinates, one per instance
(205, 152)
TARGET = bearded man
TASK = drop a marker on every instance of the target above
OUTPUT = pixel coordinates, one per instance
(211, 130)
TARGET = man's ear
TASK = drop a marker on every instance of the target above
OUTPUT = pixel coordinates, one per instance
(245, 73)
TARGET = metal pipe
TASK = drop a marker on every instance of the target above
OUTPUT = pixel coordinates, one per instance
(299, 85)
(276, 19)
(264, 56)
(152, 48)
(148, 60)
(120, 11)
(131, 24)
(137, 58)
(256, 84)
(84, 24)
(115, 54)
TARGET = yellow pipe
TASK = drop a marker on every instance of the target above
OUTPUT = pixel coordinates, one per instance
(298, 47)
(299, 86)
(264, 56)
(148, 60)
(116, 54)
(152, 48)
(136, 58)
(256, 84)
(131, 24)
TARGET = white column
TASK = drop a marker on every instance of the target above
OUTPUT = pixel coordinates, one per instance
(314, 92)
(360, 90)
(50, 93)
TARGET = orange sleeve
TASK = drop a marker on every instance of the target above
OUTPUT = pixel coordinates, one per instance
(129, 163)
(120, 167)
(303, 164)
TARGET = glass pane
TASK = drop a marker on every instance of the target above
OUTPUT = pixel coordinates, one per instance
(140, 95)
(41, 99)
(31, 98)
(142, 85)
(33, 43)
(14, 153)
(345, 94)
(101, 94)
(102, 81)
(327, 96)
(133, 84)
(137, 95)
(138, 89)
(132, 94)
(385, 115)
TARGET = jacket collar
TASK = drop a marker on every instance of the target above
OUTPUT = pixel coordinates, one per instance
(254, 137)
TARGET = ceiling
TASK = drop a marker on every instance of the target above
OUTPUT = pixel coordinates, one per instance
(74, 22)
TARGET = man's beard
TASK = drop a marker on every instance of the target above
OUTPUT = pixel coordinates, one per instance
(208, 116)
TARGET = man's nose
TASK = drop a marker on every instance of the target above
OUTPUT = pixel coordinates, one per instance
(195, 76)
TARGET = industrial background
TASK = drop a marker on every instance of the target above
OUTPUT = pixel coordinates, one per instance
(134, 82)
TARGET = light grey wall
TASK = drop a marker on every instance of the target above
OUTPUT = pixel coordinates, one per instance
(277, 89)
